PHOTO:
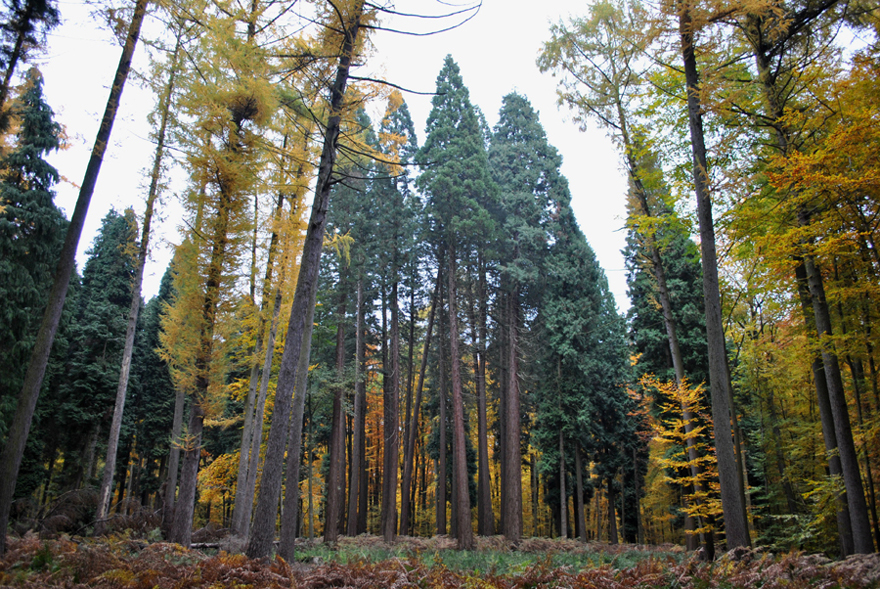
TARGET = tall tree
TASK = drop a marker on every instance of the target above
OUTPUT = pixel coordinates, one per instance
(31, 235)
(781, 56)
(98, 341)
(348, 25)
(14, 448)
(164, 113)
(526, 169)
(456, 185)
(732, 495)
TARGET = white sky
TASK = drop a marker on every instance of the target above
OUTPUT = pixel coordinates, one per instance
(496, 52)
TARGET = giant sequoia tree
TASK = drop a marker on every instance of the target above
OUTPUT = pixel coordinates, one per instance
(457, 183)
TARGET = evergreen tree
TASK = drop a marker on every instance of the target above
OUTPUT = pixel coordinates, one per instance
(13, 451)
(526, 169)
(647, 333)
(85, 397)
(152, 404)
(31, 234)
(457, 183)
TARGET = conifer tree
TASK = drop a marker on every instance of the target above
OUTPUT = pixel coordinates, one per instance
(10, 460)
(526, 169)
(230, 101)
(455, 183)
(31, 234)
(97, 343)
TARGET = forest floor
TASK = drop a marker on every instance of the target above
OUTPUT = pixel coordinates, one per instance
(120, 561)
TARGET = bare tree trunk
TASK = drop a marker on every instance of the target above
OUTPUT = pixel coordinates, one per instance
(336, 477)
(579, 504)
(262, 532)
(732, 493)
(485, 514)
(289, 525)
(512, 506)
(640, 531)
(533, 467)
(391, 407)
(563, 496)
(863, 543)
(612, 516)
(844, 528)
(357, 458)
(134, 308)
(10, 460)
(249, 457)
(461, 499)
(181, 531)
(412, 432)
(173, 462)
(441, 461)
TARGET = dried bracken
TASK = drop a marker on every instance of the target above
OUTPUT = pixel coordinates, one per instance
(121, 563)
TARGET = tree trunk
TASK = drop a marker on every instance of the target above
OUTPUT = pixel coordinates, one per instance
(485, 514)
(134, 308)
(863, 543)
(563, 496)
(440, 517)
(173, 462)
(640, 532)
(289, 526)
(336, 477)
(181, 531)
(249, 456)
(245, 507)
(787, 488)
(391, 407)
(357, 458)
(829, 435)
(579, 504)
(512, 506)
(461, 499)
(533, 468)
(503, 385)
(412, 432)
(262, 534)
(732, 493)
(10, 460)
(612, 516)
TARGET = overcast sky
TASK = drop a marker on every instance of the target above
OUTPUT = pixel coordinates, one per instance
(496, 51)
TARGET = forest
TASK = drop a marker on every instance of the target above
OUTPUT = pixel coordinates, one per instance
(368, 328)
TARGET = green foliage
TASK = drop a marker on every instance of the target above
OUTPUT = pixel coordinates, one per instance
(32, 231)
(82, 403)
(455, 176)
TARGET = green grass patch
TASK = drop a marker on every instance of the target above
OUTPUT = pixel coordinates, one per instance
(480, 562)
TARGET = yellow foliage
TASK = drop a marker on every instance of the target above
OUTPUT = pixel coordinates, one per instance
(686, 423)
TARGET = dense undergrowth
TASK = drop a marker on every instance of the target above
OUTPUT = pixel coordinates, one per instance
(125, 563)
